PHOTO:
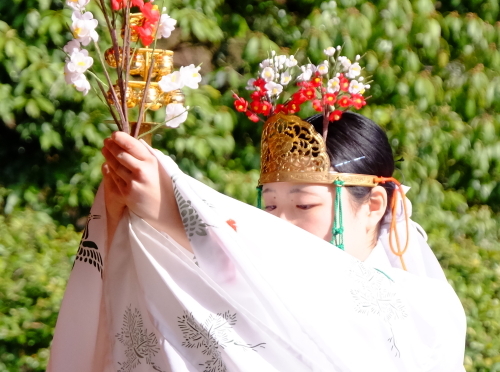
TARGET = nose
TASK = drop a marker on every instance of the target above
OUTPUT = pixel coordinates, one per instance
(285, 217)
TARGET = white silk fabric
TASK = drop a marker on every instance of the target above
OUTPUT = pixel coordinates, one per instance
(418, 257)
(260, 295)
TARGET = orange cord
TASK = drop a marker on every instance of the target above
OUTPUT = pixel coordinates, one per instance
(393, 234)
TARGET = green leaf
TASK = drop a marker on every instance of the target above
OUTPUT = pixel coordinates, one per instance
(32, 108)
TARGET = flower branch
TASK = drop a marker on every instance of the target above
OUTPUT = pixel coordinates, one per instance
(332, 87)
(153, 65)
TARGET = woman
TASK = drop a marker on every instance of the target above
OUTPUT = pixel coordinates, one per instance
(355, 145)
(261, 294)
(311, 206)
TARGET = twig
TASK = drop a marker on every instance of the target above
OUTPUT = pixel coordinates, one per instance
(148, 81)
(119, 71)
(158, 125)
(103, 91)
(125, 57)
(148, 78)
(94, 75)
(111, 89)
(116, 51)
(326, 122)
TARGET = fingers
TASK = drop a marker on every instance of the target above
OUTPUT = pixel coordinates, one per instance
(120, 183)
(116, 167)
(110, 187)
(112, 182)
(115, 203)
(121, 155)
(131, 145)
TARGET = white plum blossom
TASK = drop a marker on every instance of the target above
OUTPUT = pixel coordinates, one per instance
(305, 75)
(79, 61)
(285, 78)
(354, 71)
(330, 51)
(71, 46)
(273, 89)
(77, 4)
(166, 26)
(333, 85)
(311, 67)
(356, 87)
(175, 114)
(265, 63)
(291, 61)
(280, 60)
(82, 84)
(267, 74)
(187, 76)
(83, 27)
(69, 76)
(345, 62)
(307, 72)
(170, 82)
(190, 76)
(250, 85)
(323, 68)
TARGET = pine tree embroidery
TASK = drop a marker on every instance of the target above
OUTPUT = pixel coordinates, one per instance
(374, 294)
(212, 337)
(141, 346)
(192, 222)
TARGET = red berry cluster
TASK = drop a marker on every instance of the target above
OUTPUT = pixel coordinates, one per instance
(311, 90)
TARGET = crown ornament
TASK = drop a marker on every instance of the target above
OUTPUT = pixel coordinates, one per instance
(292, 151)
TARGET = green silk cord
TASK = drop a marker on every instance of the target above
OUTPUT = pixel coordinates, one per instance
(338, 225)
(259, 197)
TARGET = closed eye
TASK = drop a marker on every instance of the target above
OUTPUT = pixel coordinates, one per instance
(305, 207)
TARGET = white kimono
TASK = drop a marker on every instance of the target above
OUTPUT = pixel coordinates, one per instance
(260, 295)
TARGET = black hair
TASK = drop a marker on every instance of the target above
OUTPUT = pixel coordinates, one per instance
(354, 136)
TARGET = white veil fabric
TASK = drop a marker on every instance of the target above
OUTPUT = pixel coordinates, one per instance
(419, 258)
(260, 295)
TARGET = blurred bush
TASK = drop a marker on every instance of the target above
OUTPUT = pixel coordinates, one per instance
(436, 90)
(35, 260)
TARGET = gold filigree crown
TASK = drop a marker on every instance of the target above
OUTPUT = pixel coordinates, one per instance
(292, 151)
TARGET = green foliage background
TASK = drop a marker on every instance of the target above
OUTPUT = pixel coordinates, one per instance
(436, 91)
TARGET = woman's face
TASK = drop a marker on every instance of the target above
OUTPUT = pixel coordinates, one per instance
(310, 207)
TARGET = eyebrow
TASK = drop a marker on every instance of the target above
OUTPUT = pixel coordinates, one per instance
(295, 190)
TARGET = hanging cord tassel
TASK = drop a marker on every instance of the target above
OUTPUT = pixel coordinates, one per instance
(338, 224)
(259, 197)
(393, 233)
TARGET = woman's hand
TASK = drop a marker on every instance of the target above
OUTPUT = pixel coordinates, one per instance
(133, 178)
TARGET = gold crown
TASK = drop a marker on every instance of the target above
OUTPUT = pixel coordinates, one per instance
(292, 151)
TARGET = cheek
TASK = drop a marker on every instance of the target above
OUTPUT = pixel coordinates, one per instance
(354, 228)
(318, 222)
